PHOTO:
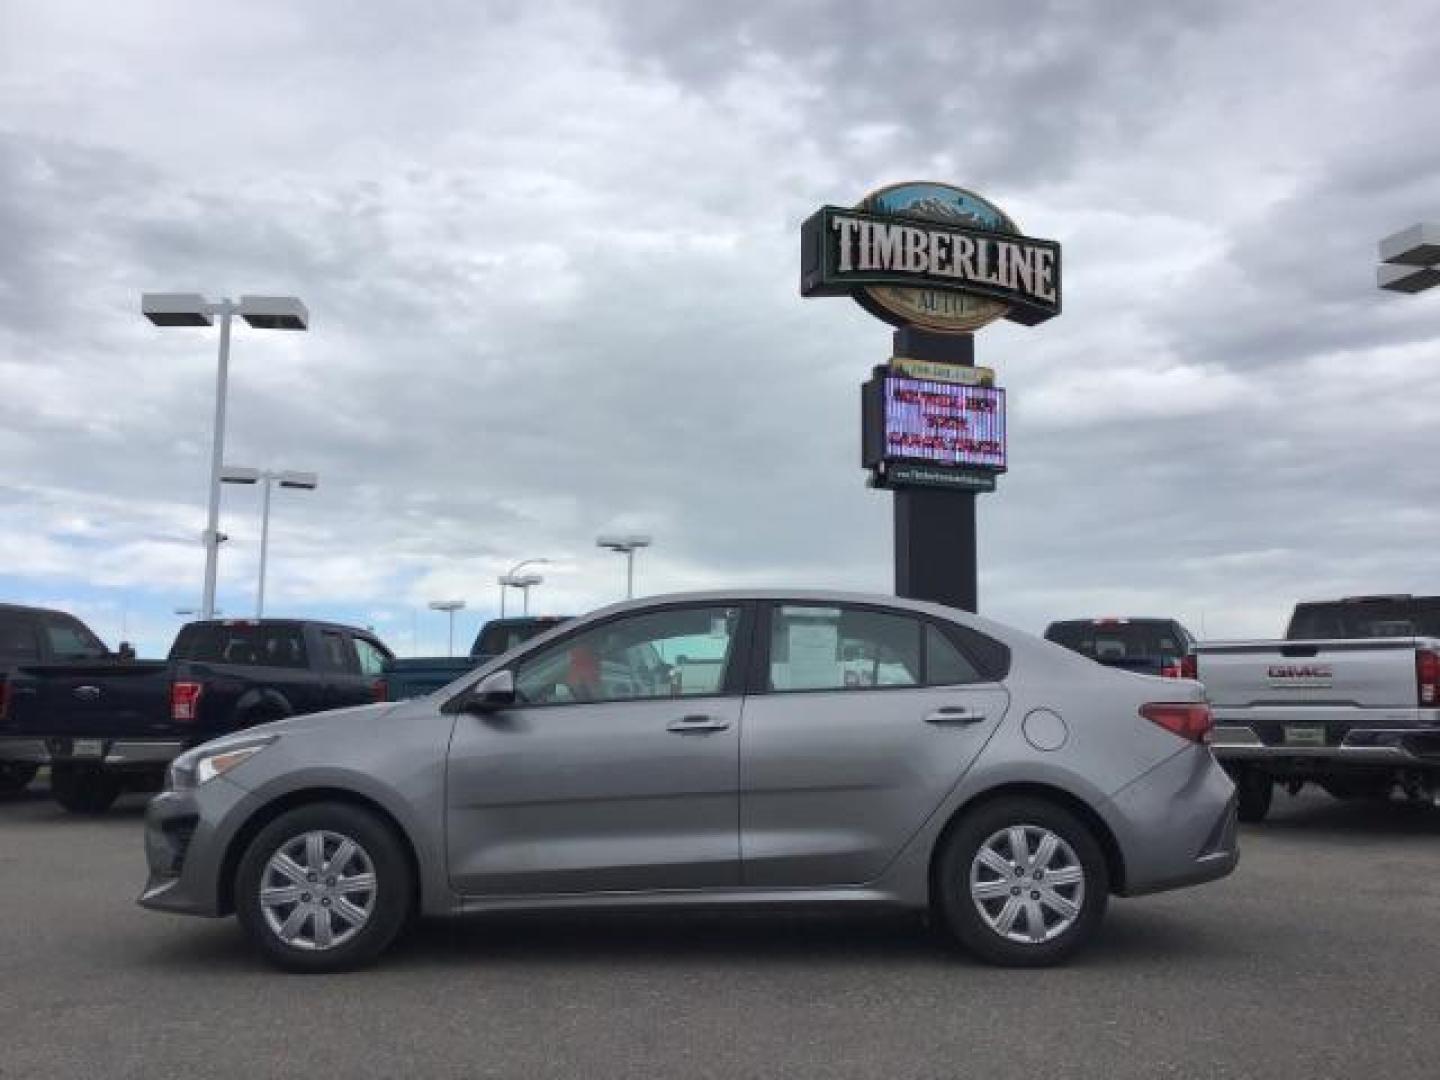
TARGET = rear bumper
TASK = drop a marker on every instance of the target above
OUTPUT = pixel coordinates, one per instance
(1176, 824)
(1395, 747)
(115, 753)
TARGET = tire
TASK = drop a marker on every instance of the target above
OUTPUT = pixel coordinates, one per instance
(974, 899)
(1255, 791)
(83, 790)
(15, 776)
(288, 931)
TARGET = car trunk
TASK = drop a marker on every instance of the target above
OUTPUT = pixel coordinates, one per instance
(92, 699)
(1373, 673)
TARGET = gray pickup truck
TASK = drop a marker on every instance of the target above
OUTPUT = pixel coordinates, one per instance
(1349, 700)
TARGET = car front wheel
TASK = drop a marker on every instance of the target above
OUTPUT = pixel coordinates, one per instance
(1022, 882)
(324, 887)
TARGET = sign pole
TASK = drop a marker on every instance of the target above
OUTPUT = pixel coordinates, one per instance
(935, 556)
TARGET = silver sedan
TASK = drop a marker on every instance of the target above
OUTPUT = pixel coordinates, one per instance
(716, 749)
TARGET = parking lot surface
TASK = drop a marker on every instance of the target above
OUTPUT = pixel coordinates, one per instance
(1320, 957)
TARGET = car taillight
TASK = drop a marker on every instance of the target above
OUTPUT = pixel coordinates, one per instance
(1427, 677)
(1189, 719)
(4, 698)
(379, 690)
(185, 700)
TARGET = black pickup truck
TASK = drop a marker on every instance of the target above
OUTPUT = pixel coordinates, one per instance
(106, 724)
(416, 676)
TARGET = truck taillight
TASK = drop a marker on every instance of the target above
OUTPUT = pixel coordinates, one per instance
(1188, 719)
(185, 700)
(1427, 677)
(379, 690)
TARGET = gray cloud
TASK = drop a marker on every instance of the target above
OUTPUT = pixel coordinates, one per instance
(551, 255)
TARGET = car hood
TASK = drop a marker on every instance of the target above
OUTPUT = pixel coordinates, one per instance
(296, 725)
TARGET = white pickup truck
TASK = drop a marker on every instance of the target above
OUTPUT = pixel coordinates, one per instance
(1349, 700)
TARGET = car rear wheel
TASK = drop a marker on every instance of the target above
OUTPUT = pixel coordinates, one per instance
(324, 887)
(1022, 882)
(83, 790)
(16, 776)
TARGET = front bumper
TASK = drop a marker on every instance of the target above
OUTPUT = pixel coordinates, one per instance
(112, 753)
(187, 834)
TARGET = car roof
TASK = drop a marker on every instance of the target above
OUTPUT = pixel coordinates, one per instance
(815, 596)
(322, 623)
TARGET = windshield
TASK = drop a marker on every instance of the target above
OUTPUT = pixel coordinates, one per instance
(1115, 641)
(1398, 617)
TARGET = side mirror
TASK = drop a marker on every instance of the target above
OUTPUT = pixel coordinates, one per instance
(491, 694)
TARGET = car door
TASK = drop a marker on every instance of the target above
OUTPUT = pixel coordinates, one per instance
(617, 768)
(860, 721)
(338, 675)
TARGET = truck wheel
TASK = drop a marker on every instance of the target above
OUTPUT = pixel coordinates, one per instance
(1256, 790)
(15, 776)
(83, 790)
(1021, 882)
(324, 887)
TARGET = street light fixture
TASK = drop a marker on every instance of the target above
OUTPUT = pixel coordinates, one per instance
(1410, 259)
(504, 579)
(523, 582)
(626, 545)
(449, 607)
(192, 309)
(301, 481)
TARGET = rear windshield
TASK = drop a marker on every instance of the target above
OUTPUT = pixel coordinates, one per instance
(1408, 617)
(1119, 641)
(254, 646)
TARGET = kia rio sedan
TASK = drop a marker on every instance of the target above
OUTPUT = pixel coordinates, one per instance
(716, 749)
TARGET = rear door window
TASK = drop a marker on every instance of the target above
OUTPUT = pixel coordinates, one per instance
(338, 656)
(814, 647)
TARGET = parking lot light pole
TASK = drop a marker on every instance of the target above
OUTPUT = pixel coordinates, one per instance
(627, 545)
(193, 309)
(1410, 259)
(300, 481)
(449, 607)
(506, 578)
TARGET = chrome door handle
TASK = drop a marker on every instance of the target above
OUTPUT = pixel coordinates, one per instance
(954, 714)
(687, 724)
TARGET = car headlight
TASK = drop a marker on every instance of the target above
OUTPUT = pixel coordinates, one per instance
(197, 766)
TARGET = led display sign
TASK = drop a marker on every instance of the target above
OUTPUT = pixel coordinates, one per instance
(945, 424)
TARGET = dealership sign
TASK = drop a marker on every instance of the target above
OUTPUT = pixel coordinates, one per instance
(931, 255)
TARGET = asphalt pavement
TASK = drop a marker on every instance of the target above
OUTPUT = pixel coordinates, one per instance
(1319, 957)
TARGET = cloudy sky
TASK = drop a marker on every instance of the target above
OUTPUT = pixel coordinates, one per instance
(551, 255)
